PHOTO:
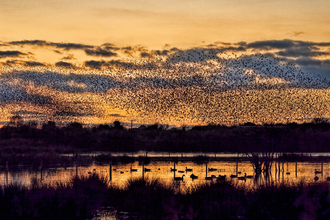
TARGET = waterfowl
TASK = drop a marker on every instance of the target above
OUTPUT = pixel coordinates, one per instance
(317, 171)
(220, 177)
(179, 178)
(249, 177)
(209, 178)
(189, 170)
(192, 176)
(212, 169)
(242, 177)
(133, 170)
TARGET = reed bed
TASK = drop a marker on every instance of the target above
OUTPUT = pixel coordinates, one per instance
(82, 197)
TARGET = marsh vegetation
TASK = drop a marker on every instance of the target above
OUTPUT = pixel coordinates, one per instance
(82, 197)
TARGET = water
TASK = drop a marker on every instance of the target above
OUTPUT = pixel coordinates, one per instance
(190, 154)
(291, 172)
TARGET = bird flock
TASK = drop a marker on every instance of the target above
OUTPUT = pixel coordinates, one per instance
(195, 87)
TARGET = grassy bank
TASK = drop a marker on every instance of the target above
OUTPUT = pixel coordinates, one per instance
(150, 199)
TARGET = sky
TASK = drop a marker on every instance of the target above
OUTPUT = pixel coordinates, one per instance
(175, 62)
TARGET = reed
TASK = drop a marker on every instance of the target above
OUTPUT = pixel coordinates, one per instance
(151, 199)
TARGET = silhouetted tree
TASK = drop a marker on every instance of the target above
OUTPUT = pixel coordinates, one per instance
(117, 125)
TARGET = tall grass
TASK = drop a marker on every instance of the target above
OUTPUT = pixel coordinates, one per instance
(151, 199)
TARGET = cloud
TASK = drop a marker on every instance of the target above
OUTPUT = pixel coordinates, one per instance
(129, 50)
(272, 44)
(145, 54)
(282, 44)
(193, 55)
(305, 51)
(21, 62)
(57, 51)
(42, 43)
(33, 63)
(65, 65)
(24, 112)
(29, 42)
(72, 83)
(69, 57)
(160, 52)
(69, 46)
(117, 115)
(70, 113)
(100, 52)
(109, 46)
(9, 53)
(97, 64)
(297, 33)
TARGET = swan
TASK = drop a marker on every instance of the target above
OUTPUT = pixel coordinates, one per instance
(249, 177)
(242, 177)
(316, 171)
(179, 178)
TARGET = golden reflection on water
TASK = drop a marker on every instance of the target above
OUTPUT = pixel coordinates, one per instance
(291, 172)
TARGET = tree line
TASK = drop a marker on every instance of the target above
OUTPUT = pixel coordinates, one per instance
(248, 137)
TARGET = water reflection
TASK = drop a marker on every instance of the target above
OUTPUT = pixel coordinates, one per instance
(168, 172)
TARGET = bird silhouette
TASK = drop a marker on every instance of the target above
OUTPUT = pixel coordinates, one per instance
(192, 176)
(221, 178)
(242, 177)
(317, 171)
(212, 169)
(179, 178)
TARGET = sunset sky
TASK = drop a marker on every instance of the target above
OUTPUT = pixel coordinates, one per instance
(176, 62)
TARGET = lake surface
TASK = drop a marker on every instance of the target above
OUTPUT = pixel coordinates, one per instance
(291, 172)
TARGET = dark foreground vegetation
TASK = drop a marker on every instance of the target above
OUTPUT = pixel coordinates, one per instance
(149, 199)
(24, 138)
